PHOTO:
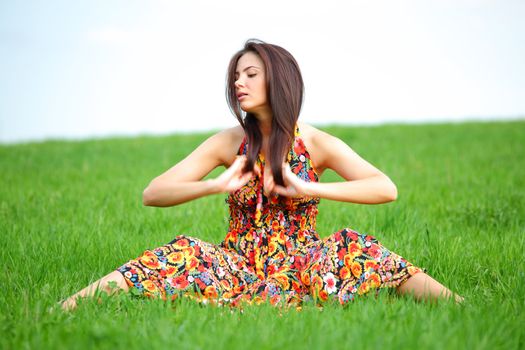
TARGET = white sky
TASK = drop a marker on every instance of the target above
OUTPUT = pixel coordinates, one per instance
(74, 69)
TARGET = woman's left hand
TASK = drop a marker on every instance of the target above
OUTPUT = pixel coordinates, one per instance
(294, 186)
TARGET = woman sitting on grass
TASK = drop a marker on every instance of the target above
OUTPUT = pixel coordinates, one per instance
(272, 250)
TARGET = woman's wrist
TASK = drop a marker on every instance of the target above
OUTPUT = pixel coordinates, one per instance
(310, 189)
(212, 186)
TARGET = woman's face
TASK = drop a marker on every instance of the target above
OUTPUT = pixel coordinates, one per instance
(250, 84)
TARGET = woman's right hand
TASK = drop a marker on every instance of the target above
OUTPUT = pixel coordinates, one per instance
(233, 178)
(184, 181)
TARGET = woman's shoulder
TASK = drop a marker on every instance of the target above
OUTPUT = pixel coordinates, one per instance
(227, 143)
(321, 145)
(312, 136)
(312, 139)
(234, 134)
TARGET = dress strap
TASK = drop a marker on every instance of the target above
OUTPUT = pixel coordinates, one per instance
(300, 157)
(243, 147)
(296, 139)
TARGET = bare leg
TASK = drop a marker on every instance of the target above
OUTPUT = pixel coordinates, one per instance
(102, 284)
(424, 287)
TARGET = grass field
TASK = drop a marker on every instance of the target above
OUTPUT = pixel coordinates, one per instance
(71, 212)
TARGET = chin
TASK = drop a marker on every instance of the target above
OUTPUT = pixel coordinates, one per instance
(251, 108)
(247, 109)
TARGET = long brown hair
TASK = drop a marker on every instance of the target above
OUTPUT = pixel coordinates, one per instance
(285, 89)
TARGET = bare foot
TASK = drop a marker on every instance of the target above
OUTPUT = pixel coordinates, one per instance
(69, 304)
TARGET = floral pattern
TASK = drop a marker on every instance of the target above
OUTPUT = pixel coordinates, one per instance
(271, 252)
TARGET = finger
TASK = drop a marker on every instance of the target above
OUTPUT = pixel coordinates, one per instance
(237, 163)
(246, 177)
(257, 170)
(288, 170)
(237, 182)
(240, 160)
(271, 185)
(289, 177)
(234, 171)
(268, 185)
(293, 178)
(243, 160)
(281, 190)
(240, 164)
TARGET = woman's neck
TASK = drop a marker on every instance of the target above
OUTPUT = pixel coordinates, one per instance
(266, 129)
(264, 121)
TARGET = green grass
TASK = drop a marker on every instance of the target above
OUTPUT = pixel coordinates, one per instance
(71, 212)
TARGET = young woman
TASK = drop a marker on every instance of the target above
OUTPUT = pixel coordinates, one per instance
(271, 250)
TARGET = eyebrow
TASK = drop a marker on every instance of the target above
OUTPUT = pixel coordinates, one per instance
(245, 69)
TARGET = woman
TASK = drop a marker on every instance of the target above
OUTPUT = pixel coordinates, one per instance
(271, 251)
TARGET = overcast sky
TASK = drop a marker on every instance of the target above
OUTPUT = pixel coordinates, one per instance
(72, 69)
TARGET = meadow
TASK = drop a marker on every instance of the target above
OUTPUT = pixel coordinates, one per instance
(71, 212)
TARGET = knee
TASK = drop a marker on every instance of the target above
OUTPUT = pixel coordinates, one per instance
(176, 239)
(183, 241)
(113, 283)
(345, 236)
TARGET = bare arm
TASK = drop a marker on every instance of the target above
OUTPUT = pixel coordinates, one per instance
(364, 183)
(183, 182)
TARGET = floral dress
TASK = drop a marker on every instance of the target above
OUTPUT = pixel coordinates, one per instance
(271, 252)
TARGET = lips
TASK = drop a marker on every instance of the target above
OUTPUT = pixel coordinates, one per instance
(240, 95)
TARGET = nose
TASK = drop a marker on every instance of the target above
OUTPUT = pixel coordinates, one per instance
(238, 83)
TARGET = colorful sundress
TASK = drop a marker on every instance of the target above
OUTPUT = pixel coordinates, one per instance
(271, 252)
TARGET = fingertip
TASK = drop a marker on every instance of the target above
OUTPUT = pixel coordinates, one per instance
(278, 189)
